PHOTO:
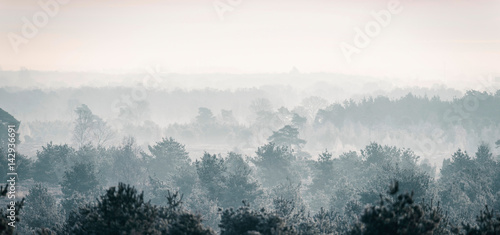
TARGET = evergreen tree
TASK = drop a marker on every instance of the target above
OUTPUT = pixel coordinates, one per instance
(239, 183)
(487, 223)
(81, 178)
(167, 157)
(50, 161)
(227, 181)
(79, 185)
(287, 136)
(244, 220)
(399, 215)
(274, 162)
(212, 174)
(324, 171)
(465, 184)
(120, 211)
(41, 210)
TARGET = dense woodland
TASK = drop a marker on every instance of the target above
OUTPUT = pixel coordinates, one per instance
(102, 181)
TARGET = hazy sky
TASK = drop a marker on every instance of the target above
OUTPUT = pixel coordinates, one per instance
(444, 39)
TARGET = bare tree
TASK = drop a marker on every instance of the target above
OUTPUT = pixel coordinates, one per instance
(90, 128)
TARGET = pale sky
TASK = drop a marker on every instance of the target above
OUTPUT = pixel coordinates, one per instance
(436, 38)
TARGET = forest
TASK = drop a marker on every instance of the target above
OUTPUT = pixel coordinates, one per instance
(282, 170)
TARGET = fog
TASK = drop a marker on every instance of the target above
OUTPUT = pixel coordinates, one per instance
(303, 147)
(250, 117)
(165, 101)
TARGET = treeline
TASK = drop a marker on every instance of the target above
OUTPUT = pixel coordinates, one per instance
(472, 111)
(89, 185)
(428, 125)
(411, 121)
(275, 191)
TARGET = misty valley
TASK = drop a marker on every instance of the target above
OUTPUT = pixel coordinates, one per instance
(249, 161)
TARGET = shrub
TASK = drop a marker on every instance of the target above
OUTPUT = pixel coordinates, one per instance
(123, 210)
(247, 221)
(41, 209)
(399, 215)
(487, 224)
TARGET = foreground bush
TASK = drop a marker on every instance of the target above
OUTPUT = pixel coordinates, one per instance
(487, 224)
(247, 221)
(123, 211)
(400, 215)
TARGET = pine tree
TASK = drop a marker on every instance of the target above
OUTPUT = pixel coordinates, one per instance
(168, 156)
(397, 215)
(120, 211)
(275, 163)
(488, 223)
(79, 185)
(244, 220)
(211, 172)
(287, 136)
(50, 161)
(41, 210)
